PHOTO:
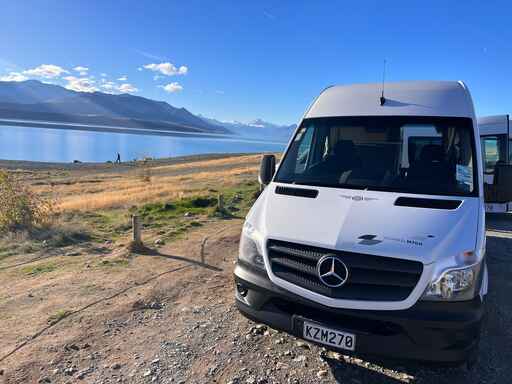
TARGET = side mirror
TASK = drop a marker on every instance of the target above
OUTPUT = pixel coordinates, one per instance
(501, 190)
(267, 169)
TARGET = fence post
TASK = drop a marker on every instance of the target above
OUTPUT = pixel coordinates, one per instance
(220, 204)
(136, 228)
(203, 244)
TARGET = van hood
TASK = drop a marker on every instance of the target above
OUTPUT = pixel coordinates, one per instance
(367, 222)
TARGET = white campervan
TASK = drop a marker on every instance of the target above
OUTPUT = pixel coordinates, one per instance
(370, 236)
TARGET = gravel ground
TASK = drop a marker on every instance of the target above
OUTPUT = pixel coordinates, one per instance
(193, 334)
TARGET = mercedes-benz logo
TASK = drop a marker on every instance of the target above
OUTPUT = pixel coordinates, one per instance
(332, 271)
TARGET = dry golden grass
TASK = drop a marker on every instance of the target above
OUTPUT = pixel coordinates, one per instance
(107, 181)
(79, 190)
(134, 190)
(250, 159)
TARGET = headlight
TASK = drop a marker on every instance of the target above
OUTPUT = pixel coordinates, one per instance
(249, 251)
(457, 284)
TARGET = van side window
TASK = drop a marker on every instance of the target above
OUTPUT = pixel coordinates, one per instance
(303, 153)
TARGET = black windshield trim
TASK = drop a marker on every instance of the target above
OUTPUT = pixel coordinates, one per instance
(409, 119)
(373, 188)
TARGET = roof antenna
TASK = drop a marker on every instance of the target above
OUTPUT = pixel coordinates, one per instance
(382, 98)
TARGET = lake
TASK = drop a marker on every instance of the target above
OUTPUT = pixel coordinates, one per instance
(63, 145)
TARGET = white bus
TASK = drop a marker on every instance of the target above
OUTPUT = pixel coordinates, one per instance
(495, 137)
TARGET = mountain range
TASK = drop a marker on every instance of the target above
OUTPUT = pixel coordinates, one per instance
(41, 102)
(256, 129)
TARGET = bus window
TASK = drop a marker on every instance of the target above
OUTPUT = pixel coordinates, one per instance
(494, 149)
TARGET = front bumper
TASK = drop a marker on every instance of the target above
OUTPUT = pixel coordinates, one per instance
(428, 331)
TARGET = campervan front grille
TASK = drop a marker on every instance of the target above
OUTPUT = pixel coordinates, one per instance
(371, 278)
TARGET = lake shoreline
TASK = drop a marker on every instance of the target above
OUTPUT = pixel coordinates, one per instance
(42, 165)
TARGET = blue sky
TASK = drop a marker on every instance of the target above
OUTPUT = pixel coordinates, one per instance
(241, 60)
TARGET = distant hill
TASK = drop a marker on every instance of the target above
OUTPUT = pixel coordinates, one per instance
(34, 100)
(257, 129)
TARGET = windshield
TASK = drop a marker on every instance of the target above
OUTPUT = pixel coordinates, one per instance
(424, 155)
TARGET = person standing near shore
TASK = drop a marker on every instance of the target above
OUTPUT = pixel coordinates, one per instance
(118, 160)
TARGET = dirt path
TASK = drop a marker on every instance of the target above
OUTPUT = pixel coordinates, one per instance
(181, 326)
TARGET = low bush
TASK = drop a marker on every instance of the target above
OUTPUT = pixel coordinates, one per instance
(20, 209)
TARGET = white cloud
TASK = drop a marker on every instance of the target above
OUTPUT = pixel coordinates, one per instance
(108, 86)
(167, 69)
(172, 87)
(103, 75)
(80, 84)
(47, 71)
(112, 87)
(123, 78)
(14, 76)
(81, 70)
(127, 88)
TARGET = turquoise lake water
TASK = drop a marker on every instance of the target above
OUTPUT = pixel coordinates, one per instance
(63, 145)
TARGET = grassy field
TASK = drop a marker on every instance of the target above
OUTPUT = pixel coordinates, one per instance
(50, 273)
(94, 204)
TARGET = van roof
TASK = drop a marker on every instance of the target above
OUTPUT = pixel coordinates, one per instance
(411, 98)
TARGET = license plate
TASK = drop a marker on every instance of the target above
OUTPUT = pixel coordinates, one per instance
(329, 336)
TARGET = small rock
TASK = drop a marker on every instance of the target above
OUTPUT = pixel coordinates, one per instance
(71, 347)
(147, 373)
(187, 214)
(155, 361)
(251, 380)
(321, 373)
(70, 371)
(159, 242)
(84, 372)
(44, 380)
(300, 359)
(302, 344)
(1, 372)
(280, 340)
(116, 366)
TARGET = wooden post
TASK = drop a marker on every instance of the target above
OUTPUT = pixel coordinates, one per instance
(220, 204)
(136, 228)
(203, 244)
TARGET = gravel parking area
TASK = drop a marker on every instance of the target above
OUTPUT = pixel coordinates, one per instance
(184, 328)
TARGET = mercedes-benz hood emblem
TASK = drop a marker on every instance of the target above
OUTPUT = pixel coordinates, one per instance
(332, 271)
